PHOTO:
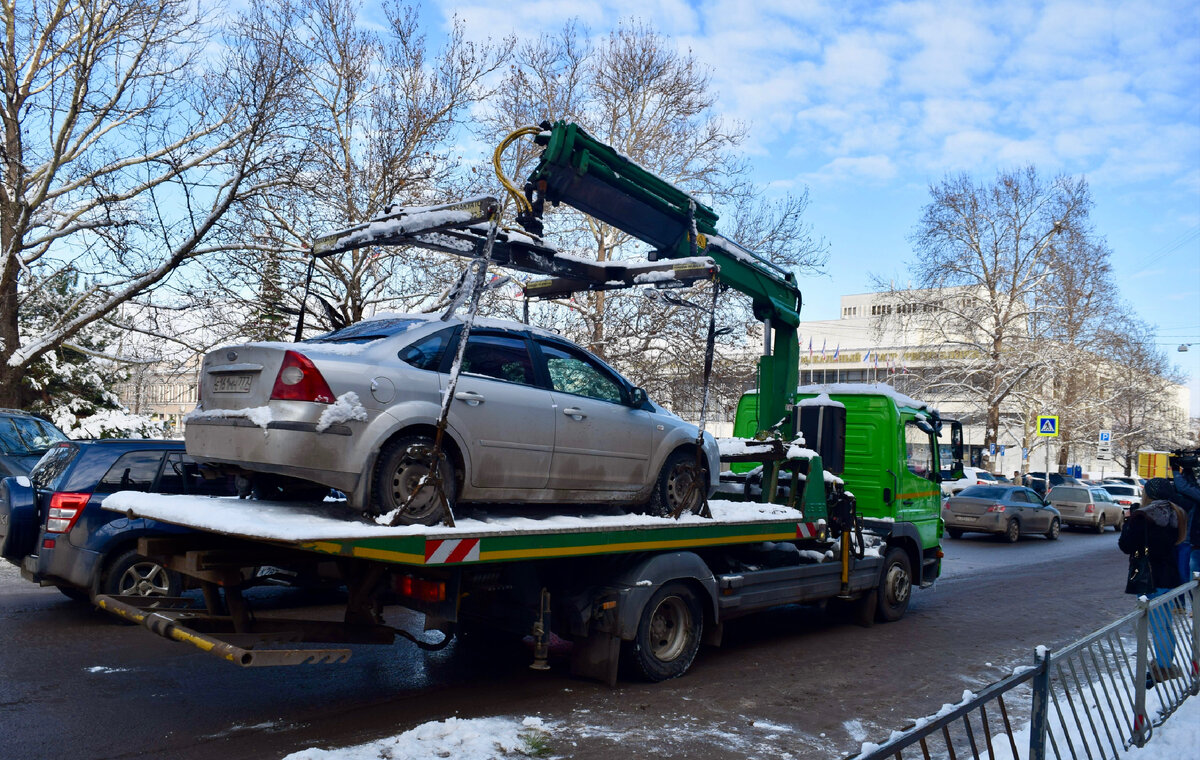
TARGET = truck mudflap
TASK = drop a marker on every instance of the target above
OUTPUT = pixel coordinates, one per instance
(176, 619)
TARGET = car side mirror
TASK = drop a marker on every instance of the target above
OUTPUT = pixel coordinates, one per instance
(638, 397)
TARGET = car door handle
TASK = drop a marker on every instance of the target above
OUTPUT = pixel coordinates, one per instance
(471, 397)
(574, 412)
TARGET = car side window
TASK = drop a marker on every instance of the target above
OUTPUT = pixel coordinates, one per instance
(575, 372)
(181, 474)
(501, 357)
(1019, 497)
(427, 352)
(133, 471)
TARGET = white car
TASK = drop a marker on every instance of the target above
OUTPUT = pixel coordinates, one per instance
(972, 476)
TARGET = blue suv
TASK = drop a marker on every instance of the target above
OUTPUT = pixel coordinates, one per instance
(53, 527)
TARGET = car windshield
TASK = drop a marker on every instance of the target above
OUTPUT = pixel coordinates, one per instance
(984, 492)
(23, 436)
(982, 475)
(365, 332)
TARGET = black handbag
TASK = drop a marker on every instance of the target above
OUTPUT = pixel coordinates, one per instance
(1141, 577)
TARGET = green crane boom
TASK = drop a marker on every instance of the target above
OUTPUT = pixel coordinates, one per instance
(579, 170)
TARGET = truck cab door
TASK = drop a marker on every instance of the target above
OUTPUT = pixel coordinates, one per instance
(919, 497)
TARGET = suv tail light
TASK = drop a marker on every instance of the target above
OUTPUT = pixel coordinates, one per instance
(996, 508)
(65, 509)
(300, 380)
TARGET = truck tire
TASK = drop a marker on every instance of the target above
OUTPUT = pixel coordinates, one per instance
(668, 634)
(674, 485)
(131, 574)
(401, 466)
(895, 586)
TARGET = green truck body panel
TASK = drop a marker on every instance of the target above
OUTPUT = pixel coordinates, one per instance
(876, 461)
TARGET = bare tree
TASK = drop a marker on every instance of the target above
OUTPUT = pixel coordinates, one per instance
(126, 144)
(637, 92)
(983, 255)
(381, 111)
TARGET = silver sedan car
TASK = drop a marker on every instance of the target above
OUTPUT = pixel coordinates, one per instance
(534, 418)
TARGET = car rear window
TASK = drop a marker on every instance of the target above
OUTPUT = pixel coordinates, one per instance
(48, 472)
(984, 492)
(1068, 493)
(1121, 490)
(981, 475)
(365, 332)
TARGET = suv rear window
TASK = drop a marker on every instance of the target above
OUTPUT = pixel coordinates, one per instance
(50, 468)
(1068, 493)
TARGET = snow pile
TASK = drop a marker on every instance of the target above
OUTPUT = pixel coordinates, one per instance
(345, 409)
(462, 739)
(109, 423)
(259, 415)
(820, 400)
(291, 521)
(733, 447)
(861, 389)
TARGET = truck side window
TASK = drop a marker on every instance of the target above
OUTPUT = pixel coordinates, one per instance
(133, 471)
(918, 447)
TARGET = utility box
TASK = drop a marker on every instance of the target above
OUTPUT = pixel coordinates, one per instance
(1154, 464)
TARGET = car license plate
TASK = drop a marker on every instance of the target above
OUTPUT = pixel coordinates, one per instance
(232, 383)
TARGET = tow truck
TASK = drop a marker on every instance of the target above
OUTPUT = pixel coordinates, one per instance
(646, 589)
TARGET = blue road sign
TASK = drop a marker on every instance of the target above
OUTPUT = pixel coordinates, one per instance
(1047, 425)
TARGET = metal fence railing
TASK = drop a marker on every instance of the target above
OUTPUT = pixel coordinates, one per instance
(1091, 700)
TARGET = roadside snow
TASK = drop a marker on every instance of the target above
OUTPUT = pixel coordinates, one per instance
(345, 409)
(284, 521)
(462, 739)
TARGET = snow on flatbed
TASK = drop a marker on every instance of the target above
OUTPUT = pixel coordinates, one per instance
(308, 522)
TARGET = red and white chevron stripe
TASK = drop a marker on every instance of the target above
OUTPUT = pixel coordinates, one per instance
(451, 550)
(807, 530)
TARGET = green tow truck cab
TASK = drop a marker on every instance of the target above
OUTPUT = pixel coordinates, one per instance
(892, 463)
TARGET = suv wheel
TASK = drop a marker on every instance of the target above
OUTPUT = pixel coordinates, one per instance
(131, 574)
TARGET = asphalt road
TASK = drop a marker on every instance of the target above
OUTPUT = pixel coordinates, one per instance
(797, 682)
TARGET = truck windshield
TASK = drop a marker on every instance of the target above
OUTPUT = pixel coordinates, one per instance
(22, 436)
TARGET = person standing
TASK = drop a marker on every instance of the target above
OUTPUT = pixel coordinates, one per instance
(1158, 527)
(1188, 496)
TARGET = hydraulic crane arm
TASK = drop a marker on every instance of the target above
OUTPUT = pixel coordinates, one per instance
(588, 175)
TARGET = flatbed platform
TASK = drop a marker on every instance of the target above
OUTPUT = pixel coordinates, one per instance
(479, 537)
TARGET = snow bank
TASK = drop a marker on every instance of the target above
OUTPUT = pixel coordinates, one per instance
(289, 521)
(259, 415)
(462, 739)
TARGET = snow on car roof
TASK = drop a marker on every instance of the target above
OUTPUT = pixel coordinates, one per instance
(290, 521)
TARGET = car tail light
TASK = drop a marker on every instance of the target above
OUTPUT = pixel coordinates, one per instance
(981, 482)
(996, 508)
(65, 509)
(300, 380)
(420, 589)
(1090, 509)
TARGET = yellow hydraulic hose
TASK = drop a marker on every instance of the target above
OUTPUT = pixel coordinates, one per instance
(518, 196)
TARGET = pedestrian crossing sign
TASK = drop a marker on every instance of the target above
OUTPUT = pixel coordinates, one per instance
(1048, 425)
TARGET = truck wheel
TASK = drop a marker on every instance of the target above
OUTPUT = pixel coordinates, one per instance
(1012, 531)
(131, 574)
(402, 465)
(668, 634)
(895, 585)
(680, 480)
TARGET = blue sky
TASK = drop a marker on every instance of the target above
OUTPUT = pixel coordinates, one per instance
(866, 104)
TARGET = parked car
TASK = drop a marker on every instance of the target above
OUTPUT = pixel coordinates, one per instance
(59, 535)
(1126, 479)
(1037, 481)
(1125, 495)
(534, 418)
(972, 476)
(23, 439)
(1087, 507)
(1005, 510)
